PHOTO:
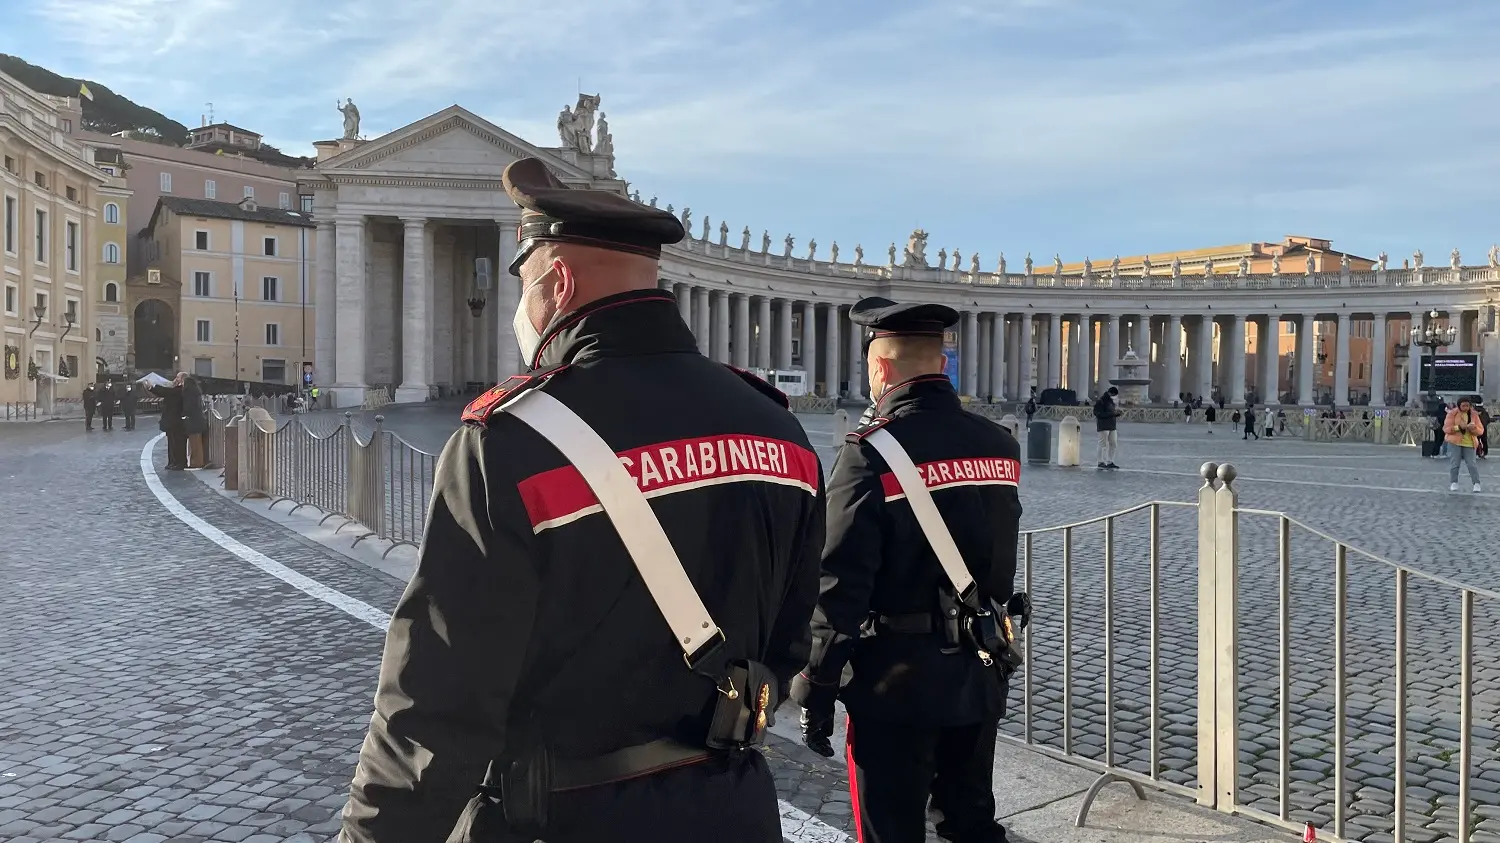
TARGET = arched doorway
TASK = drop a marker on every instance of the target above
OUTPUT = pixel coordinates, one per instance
(155, 335)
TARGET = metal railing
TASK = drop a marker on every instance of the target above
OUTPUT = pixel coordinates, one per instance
(21, 411)
(1262, 667)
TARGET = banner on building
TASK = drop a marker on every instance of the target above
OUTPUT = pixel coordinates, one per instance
(950, 358)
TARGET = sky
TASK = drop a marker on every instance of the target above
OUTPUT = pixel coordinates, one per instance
(1078, 127)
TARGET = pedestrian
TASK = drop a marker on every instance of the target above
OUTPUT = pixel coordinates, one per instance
(128, 397)
(171, 421)
(930, 687)
(1281, 419)
(1106, 419)
(194, 421)
(527, 641)
(1187, 413)
(314, 393)
(107, 404)
(1463, 429)
(1030, 410)
(1210, 416)
(1269, 423)
(1482, 444)
(1250, 423)
(90, 405)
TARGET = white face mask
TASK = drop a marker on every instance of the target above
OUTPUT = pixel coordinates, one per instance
(527, 336)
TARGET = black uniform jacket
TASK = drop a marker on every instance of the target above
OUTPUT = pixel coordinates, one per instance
(878, 562)
(527, 615)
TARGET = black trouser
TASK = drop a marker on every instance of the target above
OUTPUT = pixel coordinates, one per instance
(130, 420)
(108, 419)
(894, 768)
(176, 447)
(720, 800)
(88, 419)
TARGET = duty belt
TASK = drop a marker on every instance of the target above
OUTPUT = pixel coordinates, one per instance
(632, 762)
(917, 623)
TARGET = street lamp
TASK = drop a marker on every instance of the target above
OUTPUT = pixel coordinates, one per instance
(70, 319)
(40, 311)
(1432, 336)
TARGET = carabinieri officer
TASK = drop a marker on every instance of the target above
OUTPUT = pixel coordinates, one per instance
(928, 687)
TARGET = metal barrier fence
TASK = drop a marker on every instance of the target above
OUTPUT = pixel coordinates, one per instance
(1264, 668)
(21, 411)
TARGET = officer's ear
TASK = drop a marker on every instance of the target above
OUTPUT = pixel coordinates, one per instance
(567, 284)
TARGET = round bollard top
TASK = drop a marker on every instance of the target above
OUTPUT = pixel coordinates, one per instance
(1209, 470)
(1227, 473)
(1070, 421)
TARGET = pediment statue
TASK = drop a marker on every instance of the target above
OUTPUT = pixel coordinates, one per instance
(351, 119)
(1381, 262)
(916, 249)
(1056, 264)
(942, 259)
(788, 243)
(1028, 264)
(1344, 262)
(974, 264)
(704, 238)
(575, 126)
(1088, 267)
(859, 255)
(891, 252)
(724, 234)
(956, 260)
(745, 239)
(1453, 259)
(1146, 266)
(833, 252)
(687, 220)
(765, 242)
(1114, 267)
(1311, 264)
(1000, 266)
(1276, 264)
(1208, 268)
(1416, 259)
(812, 249)
(1176, 267)
(1494, 256)
(1244, 266)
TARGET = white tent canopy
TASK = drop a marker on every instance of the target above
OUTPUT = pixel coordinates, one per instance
(153, 379)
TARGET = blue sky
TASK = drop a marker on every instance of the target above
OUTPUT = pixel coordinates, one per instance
(1085, 127)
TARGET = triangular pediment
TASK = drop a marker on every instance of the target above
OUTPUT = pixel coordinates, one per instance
(453, 143)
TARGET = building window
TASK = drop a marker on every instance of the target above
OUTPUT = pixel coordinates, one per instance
(273, 371)
(72, 310)
(268, 247)
(273, 334)
(284, 201)
(72, 194)
(203, 367)
(268, 289)
(200, 241)
(307, 202)
(12, 299)
(10, 164)
(249, 192)
(41, 302)
(70, 246)
(166, 182)
(67, 126)
(41, 237)
(41, 178)
(111, 291)
(72, 360)
(10, 225)
(110, 170)
(204, 331)
(111, 253)
(112, 213)
(210, 189)
(202, 284)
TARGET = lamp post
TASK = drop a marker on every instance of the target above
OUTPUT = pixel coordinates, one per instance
(1432, 336)
(40, 312)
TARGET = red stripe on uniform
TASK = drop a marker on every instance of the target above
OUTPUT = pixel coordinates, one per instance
(941, 474)
(559, 496)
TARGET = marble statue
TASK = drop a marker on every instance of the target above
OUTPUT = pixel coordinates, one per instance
(916, 249)
(724, 234)
(1176, 267)
(1453, 258)
(671, 210)
(1276, 264)
(1381, 261)
(351, 119)
(1088, 267)
(687, 220)
(605, 145)
(1494, 256)
(1057, 264)
(765, 242)
(1311, 265)
(788, 242)
(653, 201)
(575, 126)
(745, 239)
(1416, 259)
(1244, 266)
(957, 259)
(812, 249)
(833, 252)
(1146, 266)
(891, 252)
(1344, 263)
(636, 196)
(1114, 267)
(1028, 264)
(942, 258)
(859, 255)
(1000, 267)
(704, 238)
(1208, 268)
(974, 264)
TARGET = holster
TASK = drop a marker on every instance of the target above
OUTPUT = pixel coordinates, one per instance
(745, 706)
(951, 611)
(992, 640)
(516, 790)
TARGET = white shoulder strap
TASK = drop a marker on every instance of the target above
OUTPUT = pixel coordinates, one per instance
(631, 514)
(922, 506)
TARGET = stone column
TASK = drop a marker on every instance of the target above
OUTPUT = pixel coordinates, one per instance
(1109, 350)
(969, 353)
(325, 300)
(763, 333)
(997, 355)
(1142, 339)
(1172, 351)
(741, 350)
(831, 343)
(1205, 354)
(721, 326)
(507, 295)
(1379, 356)
(349, 299)
(1236, 357)
(1414, 363)
(700, 319)
(1341, 366)
(415, 344)
(858, 384)
(1054, 350)
(684, 295)
(983, 345)
(1270, 360)
(1088, 356)
(809, 345)
(1025, 378)
(784, 351)
(1306, 359)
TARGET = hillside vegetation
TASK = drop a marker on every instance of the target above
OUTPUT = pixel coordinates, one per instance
(107, 112)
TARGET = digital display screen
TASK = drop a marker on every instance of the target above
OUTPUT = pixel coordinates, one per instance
(1450, 372)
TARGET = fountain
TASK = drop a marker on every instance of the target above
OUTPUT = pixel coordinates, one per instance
(1133, 382)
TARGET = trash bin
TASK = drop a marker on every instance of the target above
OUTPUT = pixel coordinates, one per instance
(1039, 442)
(1069, 441)
(1012, 424)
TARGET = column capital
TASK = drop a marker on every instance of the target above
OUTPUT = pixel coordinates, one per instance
(352, 220)
(414, 222)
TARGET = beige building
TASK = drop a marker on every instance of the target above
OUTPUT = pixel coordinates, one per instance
(50, 195)
(225, 292)
(111, 321)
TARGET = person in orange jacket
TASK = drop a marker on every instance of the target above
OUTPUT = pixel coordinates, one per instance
(1463, 430)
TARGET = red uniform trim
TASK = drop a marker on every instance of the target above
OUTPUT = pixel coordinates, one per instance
(561, 496)
(967, 471)
(859, 826)
(481, 408)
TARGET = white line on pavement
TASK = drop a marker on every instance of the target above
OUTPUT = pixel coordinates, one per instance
(797, 826)
(1359, 486)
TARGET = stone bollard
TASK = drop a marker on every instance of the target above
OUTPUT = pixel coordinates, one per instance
(1012, 424)
(1039, 442)
(1069, 442)
(233, 437)
(840, 424)
(255, 469)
